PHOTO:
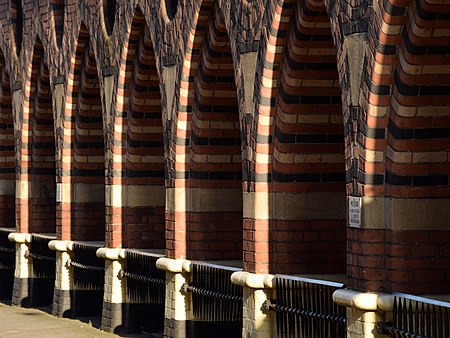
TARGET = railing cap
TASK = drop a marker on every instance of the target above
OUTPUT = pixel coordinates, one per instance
(59, 245)
(18, 237)
(113, 254)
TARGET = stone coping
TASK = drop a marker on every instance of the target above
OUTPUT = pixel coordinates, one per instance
(18, 237)
(365, 301)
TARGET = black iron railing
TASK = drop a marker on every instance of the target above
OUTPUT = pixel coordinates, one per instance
(417, 317)
(145, 282)
(305, 309)
(7, 252)
(44, 259)
(88, 269)
(214, 297)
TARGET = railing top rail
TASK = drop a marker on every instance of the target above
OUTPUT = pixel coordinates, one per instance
(145, 252)
(312, 281)
(96, 244)
(46, 235)
(217, 266)
(7, 229)
(422, 299)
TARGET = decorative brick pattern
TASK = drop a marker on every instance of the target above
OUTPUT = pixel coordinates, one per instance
(252, 119)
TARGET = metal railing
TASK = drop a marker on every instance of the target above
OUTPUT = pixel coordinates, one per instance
(88, 269)
(145, 282)
(44, 259)
(214, 297)
(417, 317)
(305, 309)
(7, 252)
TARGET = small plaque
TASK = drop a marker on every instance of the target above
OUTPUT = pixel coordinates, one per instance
(58, 193)
(354, 212)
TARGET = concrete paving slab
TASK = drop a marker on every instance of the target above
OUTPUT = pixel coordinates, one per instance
(20, 322)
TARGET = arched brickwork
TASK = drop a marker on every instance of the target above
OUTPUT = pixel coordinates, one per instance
(208, 138)
(36, 202)
(84, 139)
(41, 146)
(391, 60)
(417, 162)
(139, 118)
(7, 164)
(299, 146)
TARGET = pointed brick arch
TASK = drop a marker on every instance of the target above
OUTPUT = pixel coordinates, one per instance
(298, 223)
(207, 220)
(140, 145)
(37, 203)
(83, 167)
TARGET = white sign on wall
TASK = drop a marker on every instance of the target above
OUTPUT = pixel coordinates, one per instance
(58, 193)
(354, 212)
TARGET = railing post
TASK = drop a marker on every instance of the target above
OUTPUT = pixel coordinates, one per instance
(22, 272)
(178, 303)
(257, 289)
(364, 310)
(115, 288)
(64, 278)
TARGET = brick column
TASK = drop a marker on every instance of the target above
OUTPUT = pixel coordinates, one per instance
(114, 295)
(64, 278)
(178, 304)
(22, 272)
(257, 288)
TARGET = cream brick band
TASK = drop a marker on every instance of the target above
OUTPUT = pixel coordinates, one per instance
(294, 206)
(203, 200)
(135, 196)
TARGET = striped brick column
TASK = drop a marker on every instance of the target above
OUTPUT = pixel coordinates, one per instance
(417, 156)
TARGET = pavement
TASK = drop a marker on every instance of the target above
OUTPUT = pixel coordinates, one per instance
(20, 322)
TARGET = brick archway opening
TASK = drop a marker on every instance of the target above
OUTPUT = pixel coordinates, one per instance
(214, 229)
(88, 171)
(7, 151)
(41, 148)
(307, 213)
(143, 224)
